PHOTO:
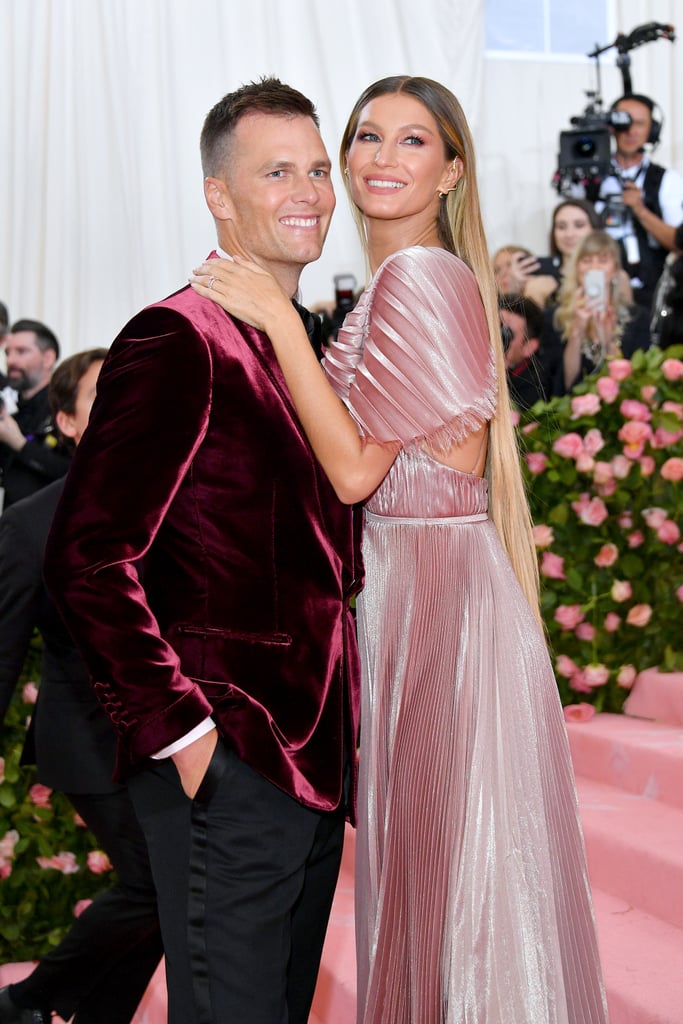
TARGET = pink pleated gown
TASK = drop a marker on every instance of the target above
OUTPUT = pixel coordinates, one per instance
(472, 897)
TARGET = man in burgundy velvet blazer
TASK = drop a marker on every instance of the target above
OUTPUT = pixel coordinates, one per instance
(204, 566)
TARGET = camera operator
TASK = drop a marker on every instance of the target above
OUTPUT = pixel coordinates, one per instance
(641, 203)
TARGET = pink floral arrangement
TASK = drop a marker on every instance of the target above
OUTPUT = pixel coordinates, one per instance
(603, 468)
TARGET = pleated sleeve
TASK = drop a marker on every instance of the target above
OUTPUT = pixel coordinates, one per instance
(413, 360)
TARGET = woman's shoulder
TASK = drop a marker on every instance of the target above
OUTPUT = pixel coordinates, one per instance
(427, 257)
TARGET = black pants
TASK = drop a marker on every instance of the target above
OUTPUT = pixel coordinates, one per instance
(102, 967)
(245, 877)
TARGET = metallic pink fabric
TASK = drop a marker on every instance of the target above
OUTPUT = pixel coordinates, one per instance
(473, 903)
(193, 511)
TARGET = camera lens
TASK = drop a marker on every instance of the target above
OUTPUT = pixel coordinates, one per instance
(584, 146)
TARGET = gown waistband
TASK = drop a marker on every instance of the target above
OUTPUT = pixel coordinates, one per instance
(477, 517)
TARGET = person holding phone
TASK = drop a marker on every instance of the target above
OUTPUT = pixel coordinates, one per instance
(592, 319)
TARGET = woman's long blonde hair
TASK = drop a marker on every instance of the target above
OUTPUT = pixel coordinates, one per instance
(461, 231)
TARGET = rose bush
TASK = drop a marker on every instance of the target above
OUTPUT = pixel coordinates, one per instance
(603, 468)
(50, 866)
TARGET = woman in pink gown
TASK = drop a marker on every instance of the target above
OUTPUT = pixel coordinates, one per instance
(472, 897)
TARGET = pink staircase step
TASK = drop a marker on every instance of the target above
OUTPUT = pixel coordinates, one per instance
(644, 758)
(657, 695)
(641, 959)
(635, 848)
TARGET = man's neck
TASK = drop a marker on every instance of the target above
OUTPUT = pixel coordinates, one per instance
(26, 396)
(628, 161)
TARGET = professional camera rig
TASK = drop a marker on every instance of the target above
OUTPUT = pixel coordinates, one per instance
(585, 150)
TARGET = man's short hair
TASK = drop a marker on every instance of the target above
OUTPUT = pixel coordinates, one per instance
(267, 96)
(4, 319)
(529, 310)
(63, 387)
(45, 338)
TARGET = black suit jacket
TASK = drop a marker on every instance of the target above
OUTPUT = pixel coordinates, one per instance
(70, 739)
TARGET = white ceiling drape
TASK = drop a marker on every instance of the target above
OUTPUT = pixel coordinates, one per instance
(102, 102)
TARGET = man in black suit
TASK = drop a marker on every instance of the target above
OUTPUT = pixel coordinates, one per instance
(102, 967)
(31, 454)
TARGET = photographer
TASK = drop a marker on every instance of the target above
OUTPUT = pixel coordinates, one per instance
(593, 320)
(641, 203)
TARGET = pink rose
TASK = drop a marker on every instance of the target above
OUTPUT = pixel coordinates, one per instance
(625, 520)
(536, 461)
(568, 616)
(621, 590)
(607, 489)
(635, 539)
(593, 442)
(648, 392)
(655, 517)
(514, 416)
(639, 615)
(7, 844)
(585, 631)
(665, 438)
(673, 469)
(606, 556)
(29, 694)
(621, 466)
(596, 675)
(669, 532)
(594, 513)
(603, 472)
(552, 566)
(619, 369)
(647, 465)
(675, 407)
(569, 446)
(78, 821)
(585, 462)
(626, 676)
(634, 434)
(81, 905)
(529, 428)
(566, 667)
(62, 861)
(630, 409)
(608, 389)
(543, 535)
(612, 622)
(679, 593)
(579, 683)
(2, 769)
(98, 862)
(585, 405)
(5, 870)
(581, 712)
(40, 795)
(672, 369)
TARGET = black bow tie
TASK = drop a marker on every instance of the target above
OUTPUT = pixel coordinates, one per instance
(313, 328)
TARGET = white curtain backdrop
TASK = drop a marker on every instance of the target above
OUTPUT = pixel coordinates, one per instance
(102, 102)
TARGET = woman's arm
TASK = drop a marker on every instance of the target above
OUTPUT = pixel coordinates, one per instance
(354, 467)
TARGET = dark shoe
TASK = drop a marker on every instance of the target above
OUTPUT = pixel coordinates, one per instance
(10, 1013)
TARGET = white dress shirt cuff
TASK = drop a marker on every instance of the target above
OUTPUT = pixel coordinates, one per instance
(194, 734)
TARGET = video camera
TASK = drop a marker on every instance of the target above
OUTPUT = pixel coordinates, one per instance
(585, 151)
(585, 156)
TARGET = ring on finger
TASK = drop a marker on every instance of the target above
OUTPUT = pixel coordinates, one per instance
(211, 281)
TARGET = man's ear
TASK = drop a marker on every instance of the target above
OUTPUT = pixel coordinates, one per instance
(66, 423)
(218, 198)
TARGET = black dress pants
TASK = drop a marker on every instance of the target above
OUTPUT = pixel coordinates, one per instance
(245, 877)
(103, 965)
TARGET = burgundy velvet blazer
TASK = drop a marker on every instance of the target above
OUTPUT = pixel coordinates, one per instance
(202, 560)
